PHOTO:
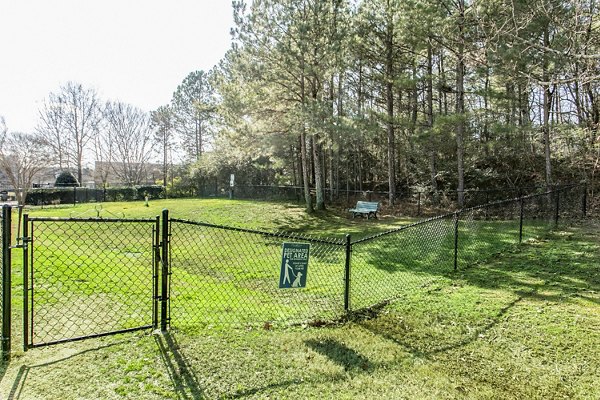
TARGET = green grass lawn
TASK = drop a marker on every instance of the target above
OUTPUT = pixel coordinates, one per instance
(524, 324)
(270, 216)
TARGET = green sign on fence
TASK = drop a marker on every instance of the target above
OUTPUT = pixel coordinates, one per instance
(294, 265)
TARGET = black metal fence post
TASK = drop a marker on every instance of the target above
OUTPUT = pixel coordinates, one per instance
(521, 201)
(164, 295)
(557, 208)
(25, 247)
(6, 280)
(156, 272)
(347, 274)
(584, 201)
(74, 195)
(419, 204)
(456, 217)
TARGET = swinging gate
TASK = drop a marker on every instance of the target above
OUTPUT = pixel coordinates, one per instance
(107, 283)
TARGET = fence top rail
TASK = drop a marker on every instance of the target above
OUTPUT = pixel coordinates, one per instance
(447, 215)
(403, 227)
(283, 235)
(418, 191)
(517, 199)
(69, 219)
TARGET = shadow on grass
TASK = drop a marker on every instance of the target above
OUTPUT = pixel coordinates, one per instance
(337, 352)
(19, 383)
(561, 268)
(180, 371)
(566, 264)
(340, 354)
(392, 333)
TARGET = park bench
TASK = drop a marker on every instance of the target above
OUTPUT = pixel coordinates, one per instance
(365, 208)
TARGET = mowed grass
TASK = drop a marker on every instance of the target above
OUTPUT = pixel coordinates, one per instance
(92, 278)
(260, 215)
(524, 325)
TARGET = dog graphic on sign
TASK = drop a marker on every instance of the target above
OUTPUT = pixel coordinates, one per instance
(296, 282)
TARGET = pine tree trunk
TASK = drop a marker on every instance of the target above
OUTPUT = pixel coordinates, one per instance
(547, 104)
(305, 172)
(460, 106)
(389, 91)
(320, 201)
(432, 147)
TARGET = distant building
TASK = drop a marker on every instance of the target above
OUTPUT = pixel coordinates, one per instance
(47, 176)
(111, 173)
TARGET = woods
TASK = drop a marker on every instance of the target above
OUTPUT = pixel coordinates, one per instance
(391, 94)
(383, 95)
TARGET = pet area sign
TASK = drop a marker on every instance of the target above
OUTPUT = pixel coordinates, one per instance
(294, 265)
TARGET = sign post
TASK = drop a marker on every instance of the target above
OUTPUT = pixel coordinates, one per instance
(231, 185)
(294, 265)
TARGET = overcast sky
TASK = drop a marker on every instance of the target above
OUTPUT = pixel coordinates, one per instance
(136, 51)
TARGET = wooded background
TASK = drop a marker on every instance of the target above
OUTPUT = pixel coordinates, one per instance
(385, 95)
(395, 94)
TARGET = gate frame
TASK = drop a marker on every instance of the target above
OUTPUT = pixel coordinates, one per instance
(28, 323)
(6, 280)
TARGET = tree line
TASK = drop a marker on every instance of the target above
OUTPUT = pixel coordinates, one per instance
(443, 94)
(353, 95)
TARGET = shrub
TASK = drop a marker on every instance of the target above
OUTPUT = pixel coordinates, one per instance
(66, 179)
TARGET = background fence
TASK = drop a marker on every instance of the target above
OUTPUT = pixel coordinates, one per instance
(74, 195)
(411, 201)
(91, 277)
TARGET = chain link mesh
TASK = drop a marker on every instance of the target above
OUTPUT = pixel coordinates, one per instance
(485, 231)
(90, 277)
(224, 276)
(413, 257)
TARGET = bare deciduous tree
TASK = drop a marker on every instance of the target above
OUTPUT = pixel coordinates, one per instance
(22, 156)
(129, 139)
(51, 128)
(69, 121)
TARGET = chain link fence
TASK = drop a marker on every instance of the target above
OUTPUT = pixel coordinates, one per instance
(222, 275)
(412, 257)
(384, 265)
(92, 277)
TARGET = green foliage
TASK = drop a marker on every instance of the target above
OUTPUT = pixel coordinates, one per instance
(152, 191)
(322, 68)
(87, 195)
(66, 179)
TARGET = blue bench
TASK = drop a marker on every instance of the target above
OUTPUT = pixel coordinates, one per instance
(365, 208)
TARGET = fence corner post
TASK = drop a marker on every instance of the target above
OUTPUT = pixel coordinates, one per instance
(557, 209)
(521, 205)
(164, 295)
(347, 274)
(584, 202)
(456, 218)
(6, 280)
